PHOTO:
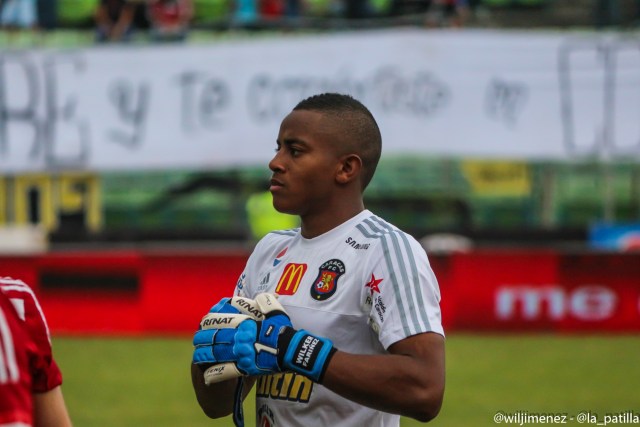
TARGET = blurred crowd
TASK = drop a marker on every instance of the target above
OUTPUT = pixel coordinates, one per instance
(171, 20)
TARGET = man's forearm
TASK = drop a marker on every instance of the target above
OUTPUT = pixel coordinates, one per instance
(395, 383)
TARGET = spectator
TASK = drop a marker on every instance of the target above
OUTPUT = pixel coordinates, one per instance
(448, 13)
(408, 7)
(18, 14)
(606, 13)
(169, 20)
(293, 10)
(356, 9)
(271, 10)
(114, 20)
(245, 14)
(47, 14)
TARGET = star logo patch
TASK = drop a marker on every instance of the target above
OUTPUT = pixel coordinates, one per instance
(373, 284)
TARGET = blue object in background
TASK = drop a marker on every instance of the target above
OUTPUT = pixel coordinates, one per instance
(618, 237)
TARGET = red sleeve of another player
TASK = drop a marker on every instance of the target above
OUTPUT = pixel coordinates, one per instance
(46, 373)
(44, 370)
(16, 349)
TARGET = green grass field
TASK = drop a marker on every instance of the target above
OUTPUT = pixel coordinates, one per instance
(145, 382)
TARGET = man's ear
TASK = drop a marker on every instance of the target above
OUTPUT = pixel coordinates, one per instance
(349, 169)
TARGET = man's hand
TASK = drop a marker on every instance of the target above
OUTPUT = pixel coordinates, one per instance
(237, 343)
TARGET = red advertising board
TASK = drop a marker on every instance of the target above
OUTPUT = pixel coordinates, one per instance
(493, 290)
(545, 291)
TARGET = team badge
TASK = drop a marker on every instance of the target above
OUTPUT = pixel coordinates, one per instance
(290, 279)
(266, 417)
(278, 259)
(326, 283)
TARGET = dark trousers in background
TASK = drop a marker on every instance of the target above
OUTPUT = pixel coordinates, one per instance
(47, 14)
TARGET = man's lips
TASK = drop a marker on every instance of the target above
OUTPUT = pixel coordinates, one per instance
(275, 185)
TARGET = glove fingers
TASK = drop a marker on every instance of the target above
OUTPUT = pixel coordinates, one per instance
(269, 304)
(204, 337)
(214, 353)
(221, 372)
(238, 305)
(247, 306)
(222, 320)
(223, 306)
(203, 355)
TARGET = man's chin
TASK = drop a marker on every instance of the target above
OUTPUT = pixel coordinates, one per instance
(285, 209)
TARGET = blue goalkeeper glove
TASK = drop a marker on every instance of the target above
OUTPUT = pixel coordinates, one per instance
(242, 344)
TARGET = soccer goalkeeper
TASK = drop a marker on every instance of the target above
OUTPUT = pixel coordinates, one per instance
(354, 336)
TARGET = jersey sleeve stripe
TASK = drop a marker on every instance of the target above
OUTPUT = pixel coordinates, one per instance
(20, 286)
(376, 234)
(8, 365)
(416, 278)
(410, 280)
(406, 265)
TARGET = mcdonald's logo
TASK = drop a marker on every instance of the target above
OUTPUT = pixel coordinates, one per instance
(290, 279)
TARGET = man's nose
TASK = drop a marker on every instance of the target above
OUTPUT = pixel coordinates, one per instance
(276, 163)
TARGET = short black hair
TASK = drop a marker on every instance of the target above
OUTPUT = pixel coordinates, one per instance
(358, 125)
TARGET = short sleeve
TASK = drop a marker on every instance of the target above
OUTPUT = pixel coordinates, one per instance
(16, 351)
(45, 371)
(403, 291)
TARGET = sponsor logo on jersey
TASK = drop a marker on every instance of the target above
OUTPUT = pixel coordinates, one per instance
(264, 283)
(278, 259)
(355, 245)
(326, 283)
(291, 278)
(381, 309)
(266, 417)
(373, 285)
(241, 282)
(375, 299)
(285, 386)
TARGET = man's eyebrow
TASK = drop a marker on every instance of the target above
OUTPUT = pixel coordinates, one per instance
(290, 141)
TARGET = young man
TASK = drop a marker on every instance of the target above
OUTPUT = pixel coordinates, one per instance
(49, 408)
(368, 344)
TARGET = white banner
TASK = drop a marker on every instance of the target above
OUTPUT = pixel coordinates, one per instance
(520, 95)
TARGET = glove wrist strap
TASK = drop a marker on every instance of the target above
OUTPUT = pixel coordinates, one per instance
(304, 353)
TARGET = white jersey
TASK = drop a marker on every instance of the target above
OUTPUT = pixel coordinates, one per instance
(365, 285)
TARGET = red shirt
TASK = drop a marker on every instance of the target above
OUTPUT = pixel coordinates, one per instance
(169, 13)
(45, 372)
(17, 350)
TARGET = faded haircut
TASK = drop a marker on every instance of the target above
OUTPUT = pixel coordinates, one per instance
(359, 127)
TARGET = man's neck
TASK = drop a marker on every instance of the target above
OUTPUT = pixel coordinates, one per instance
(315, 225)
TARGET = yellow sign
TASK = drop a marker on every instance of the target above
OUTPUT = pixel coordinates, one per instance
(33, 201)
(80, 193)
(498, 178)
(50, 200)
